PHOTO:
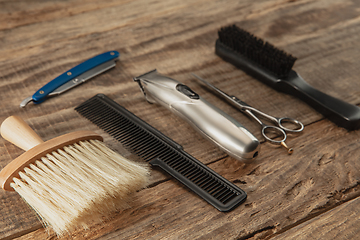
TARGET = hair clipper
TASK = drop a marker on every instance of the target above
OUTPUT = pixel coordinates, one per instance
(208, 120)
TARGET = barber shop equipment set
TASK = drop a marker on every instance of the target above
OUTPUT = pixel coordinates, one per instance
(50, 174)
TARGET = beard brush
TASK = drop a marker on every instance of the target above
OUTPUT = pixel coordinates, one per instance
(72, 180)
(273, 67)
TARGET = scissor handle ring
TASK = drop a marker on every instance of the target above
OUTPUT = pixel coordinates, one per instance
(278, 131)
(292, 121)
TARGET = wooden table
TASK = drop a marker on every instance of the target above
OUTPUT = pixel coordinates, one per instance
(311, 194)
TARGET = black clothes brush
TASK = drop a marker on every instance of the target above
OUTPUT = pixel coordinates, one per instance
(273, 67)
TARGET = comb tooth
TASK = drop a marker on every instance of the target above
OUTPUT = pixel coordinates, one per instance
(121, 136)
(226, 196)
(203, 182)
(129, 128)
(192, 174)
(144, 149)
(124, 138)
(98, 118)
(148, 144)
(148, 151)
(220, 193)
(113, 130)
(153, 153)
(201, 179)
(211, 186)
(197, 177)
(185, 167)
(179, 166)
(173, 160)
(165, 156)
(206, 185)
(216, 191)
(188, 171)
(145, 141)
(130, 138)
(210, 183)
(104, 114)
(112, 127)
(87, 110)
(140, 144)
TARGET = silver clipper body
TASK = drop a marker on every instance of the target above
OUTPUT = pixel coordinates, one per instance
(208, 120)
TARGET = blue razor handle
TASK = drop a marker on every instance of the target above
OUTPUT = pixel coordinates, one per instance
(71, 78)
(40, 95)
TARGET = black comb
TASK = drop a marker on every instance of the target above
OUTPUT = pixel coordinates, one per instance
(273, 67)
(154, 147)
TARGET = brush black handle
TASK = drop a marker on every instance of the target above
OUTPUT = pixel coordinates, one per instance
(343, 114)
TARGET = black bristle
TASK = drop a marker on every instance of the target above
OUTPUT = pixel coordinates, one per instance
(257, 50)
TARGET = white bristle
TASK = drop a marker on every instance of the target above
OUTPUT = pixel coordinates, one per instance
(79, 184)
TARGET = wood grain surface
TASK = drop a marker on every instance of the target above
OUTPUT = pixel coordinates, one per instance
(311, 194)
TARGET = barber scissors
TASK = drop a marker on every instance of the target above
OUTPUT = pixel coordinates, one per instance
(274, 134)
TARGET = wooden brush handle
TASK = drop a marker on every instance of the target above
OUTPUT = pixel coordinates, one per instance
(15, 130)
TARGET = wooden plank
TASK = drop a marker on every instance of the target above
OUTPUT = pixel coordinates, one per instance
(282, 191)
(342, 222)
(178, 38)
(14, 14)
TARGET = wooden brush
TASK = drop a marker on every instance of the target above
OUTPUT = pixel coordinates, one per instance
(71, 180)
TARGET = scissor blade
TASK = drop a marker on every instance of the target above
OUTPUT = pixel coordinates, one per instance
(232, 99)
(223, 94)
